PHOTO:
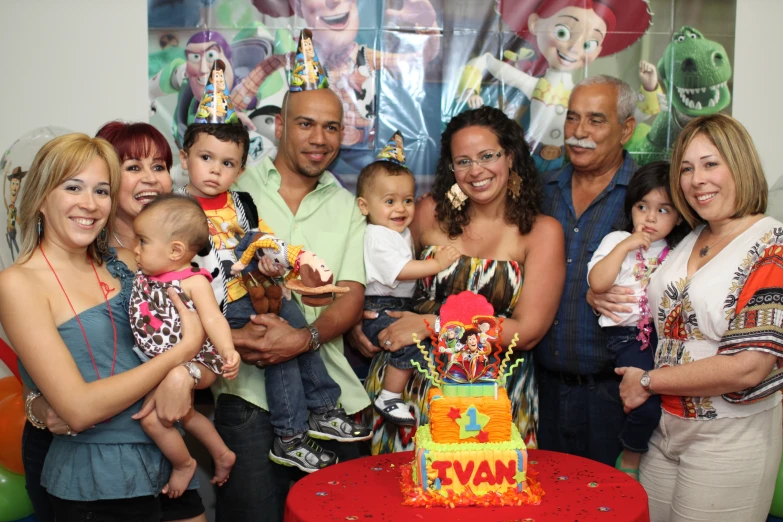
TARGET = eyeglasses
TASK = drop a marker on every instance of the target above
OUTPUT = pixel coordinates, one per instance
(466, 164)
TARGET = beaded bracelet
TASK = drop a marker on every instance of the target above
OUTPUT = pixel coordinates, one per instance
(28, 410)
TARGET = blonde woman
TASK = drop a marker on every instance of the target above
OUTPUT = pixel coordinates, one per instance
(718, 304)
(64, 306)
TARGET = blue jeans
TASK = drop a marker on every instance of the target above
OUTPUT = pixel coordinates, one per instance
(580, 415)
(258, 487)
(402, 358)
(642, 421)
(296, 386)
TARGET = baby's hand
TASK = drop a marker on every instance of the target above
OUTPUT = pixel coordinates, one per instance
(231, 364)
(445, 256)
(267, 267)
(638, 239)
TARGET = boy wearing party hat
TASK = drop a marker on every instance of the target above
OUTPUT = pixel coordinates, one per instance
(214, 154)
(386, 196)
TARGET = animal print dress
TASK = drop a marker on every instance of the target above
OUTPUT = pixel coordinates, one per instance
(154, 319)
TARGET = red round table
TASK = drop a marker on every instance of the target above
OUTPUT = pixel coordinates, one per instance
(367, 489)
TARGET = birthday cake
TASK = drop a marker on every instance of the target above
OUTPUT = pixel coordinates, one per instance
(471, 452)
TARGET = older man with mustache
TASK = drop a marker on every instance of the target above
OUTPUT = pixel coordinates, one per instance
(579, 399)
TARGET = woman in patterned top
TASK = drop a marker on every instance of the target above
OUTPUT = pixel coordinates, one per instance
(718, 305)
(485, 203)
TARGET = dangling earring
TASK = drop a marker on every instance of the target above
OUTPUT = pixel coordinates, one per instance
(456, 197)
(514, 184)
(39, 227)
(102, 242)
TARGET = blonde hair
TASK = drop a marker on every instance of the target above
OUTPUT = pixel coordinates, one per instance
(736, 148)
(59, 160)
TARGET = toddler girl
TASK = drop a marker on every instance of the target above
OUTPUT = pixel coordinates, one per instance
(629, 259)
(171, 230)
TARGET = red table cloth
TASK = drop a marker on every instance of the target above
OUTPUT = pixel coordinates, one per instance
(368, 489)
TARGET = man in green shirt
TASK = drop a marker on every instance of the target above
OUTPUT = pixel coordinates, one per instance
(304, 205)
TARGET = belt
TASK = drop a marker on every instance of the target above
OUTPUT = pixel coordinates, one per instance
(573, 378)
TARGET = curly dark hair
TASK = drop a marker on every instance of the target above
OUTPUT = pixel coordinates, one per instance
(525, 209)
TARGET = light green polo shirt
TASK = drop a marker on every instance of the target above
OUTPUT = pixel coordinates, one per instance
(328, 223)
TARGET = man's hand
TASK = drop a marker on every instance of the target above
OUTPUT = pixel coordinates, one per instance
(279, 343)
(359, 341)
(172, 399)
(612, 302)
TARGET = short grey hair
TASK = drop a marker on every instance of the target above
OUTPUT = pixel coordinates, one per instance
(626, 97)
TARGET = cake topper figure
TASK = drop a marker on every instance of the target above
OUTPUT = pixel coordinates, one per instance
(467, 344)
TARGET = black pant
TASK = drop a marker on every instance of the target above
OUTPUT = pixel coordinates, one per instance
(581, 415)
(258, 487)
(35, 446)
(642, 421)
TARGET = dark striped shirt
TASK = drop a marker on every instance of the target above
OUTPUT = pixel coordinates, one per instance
(575, 343)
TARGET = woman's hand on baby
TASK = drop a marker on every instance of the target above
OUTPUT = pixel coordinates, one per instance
(639, 239)
(193, 334)
(231, 364)
(268, 267)
(400, 333)
(446, 255)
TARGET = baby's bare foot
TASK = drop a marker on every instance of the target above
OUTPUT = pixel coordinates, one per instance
(179, 480)
(223, 465)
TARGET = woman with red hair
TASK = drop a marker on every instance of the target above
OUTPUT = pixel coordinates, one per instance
(146, 159)
(567, 36)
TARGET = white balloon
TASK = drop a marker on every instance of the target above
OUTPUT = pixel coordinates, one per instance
(14, 166)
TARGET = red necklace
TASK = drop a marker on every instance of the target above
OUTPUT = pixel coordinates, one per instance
(105, 290)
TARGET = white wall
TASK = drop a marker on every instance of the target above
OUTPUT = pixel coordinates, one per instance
(72, 63)
(758, 76)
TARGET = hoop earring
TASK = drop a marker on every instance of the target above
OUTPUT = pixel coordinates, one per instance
(102, 242)
(456, 197)
(39, 227)
(514, 185)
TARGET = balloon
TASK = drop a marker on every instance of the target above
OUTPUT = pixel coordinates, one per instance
(9, 386)
(30, 518)
(777, 499)
(13, 168)
(14, 502)
(12, 421)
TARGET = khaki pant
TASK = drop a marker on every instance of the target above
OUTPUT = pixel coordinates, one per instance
(719, 470)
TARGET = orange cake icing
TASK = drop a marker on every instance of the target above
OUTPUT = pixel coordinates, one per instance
(445, 413)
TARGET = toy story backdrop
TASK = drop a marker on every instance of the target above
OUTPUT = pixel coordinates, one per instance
(411, 65)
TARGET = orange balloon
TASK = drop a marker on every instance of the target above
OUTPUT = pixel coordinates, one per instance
(12, 421)
(9, 385)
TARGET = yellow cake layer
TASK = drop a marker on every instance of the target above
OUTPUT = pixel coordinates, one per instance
(447, 428)
(482, 468)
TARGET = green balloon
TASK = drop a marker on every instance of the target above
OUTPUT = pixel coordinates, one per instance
(777, 499)
(14, 502)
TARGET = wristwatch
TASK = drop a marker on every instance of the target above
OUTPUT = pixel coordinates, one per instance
(193, 370)
(645, 382)
(315, 338)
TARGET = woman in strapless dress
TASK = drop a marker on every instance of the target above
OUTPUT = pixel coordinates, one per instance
(485, 203)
